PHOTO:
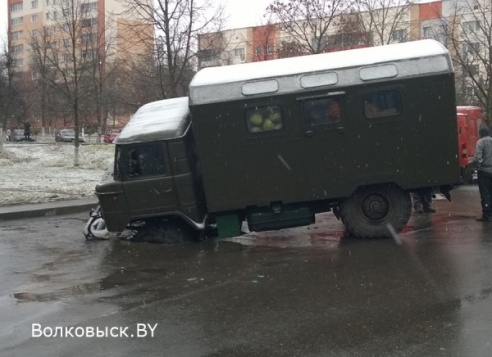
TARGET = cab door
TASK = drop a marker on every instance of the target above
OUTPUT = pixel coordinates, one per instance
(148, 182)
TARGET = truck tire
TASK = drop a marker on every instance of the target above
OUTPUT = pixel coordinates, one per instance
(167, 231)
(370, 209)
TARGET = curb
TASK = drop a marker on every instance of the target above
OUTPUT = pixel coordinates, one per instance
(48, 209)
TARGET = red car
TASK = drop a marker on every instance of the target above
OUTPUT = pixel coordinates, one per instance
(109, 137)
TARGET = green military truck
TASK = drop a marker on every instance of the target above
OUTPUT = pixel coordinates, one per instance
(273, 143)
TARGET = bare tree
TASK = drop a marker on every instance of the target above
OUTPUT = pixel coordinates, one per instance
(386, 20)
(43, 98)
(178, 24)
(468, 30)
(306, 23)
(11, 104)
(63, 54)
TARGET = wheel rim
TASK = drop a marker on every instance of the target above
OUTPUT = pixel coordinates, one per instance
(375, 207)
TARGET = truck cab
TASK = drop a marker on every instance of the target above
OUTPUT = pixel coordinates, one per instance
(155, 170)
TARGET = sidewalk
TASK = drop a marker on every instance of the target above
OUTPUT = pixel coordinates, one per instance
(47, 209)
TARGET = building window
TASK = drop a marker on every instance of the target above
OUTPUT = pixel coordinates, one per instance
(17, 21)
(35, 33)
(89, 38)
(476, 5)
(427, 32)
(67, 57)
(16, 7)
(382, 104)
(399, 35)
(471, 26)
(262, 119)
(85, 8)
(472, 70)
(66, 42)
(18, 62)
(90, 54)
(48, 16)
(259, 51)
(17, 35)
(66, 27)
(269, 49)
(471, 48)
(239, 52)
(17, 49)
(34, 4)
(89, 22)
(34, 18)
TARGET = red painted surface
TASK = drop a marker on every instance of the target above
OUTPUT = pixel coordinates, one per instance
(470, 118)
(264, 36)
(101, 25)
(430, 11)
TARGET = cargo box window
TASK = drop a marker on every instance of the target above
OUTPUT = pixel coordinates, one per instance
(323, 111)
(262, 119)
(382, 103)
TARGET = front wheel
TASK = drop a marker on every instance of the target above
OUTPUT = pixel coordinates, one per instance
(168, 231)
(371, 210)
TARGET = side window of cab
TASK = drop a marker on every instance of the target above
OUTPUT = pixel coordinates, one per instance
(143, 160)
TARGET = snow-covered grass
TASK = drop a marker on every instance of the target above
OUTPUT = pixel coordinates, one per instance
(33, 173)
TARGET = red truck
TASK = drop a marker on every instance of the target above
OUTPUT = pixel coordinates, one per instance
(470, 118)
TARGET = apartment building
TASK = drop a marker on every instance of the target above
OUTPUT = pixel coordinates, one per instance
(103, 20)
(91, 33)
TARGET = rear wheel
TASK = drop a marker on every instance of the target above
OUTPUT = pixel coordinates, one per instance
(370, 211)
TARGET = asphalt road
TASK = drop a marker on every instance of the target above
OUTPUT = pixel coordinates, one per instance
(308, 291)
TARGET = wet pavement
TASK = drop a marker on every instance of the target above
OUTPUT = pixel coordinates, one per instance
(308, 291)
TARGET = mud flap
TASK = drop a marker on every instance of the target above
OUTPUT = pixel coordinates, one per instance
(336, 212)
(445, 190)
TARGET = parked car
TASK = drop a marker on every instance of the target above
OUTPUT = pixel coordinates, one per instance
(68, 135)
(18, 135)
(109, 137)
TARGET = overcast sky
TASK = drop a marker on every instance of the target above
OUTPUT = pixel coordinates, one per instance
(3, 20)
(244, 13)
(241, 13)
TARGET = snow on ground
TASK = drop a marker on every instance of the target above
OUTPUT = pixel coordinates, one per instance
(34, 173)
